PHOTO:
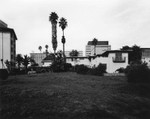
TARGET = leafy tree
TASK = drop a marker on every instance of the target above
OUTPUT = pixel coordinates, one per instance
(63, 24)
(74, 53)
(19, 60)
(26, 61)
(53, 19)
(94, 42)
(135, 53)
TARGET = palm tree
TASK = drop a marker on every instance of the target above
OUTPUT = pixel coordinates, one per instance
(53, 19)
(94, 42)
(40, 48)
(46, 46)
(63, 24)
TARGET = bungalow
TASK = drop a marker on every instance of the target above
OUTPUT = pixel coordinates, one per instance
(113, 59)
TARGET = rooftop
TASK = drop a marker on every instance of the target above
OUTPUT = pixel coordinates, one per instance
(99, 43)
(5, 29)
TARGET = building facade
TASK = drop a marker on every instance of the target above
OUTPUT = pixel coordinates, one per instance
(7, 45)
(38, 57)
(101, 47)
(113, 60)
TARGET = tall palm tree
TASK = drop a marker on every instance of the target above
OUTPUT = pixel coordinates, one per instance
(46, 46)
(40, 48)
(94, 42)
(53, 19)
(63, 24)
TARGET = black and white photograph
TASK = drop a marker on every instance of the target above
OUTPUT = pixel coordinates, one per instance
(74, 59)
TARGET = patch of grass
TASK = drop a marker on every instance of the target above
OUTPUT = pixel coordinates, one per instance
(72, 96)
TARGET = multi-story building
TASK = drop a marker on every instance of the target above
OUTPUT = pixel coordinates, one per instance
(38, 57)
(67, 53)
(7, 45)
(146, 55)
(101, 47)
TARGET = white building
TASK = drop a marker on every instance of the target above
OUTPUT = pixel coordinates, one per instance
(113, 60)
(101, 47)
(7, 45)
(38, 57)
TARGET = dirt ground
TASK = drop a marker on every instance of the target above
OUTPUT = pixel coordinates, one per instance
(72, 96)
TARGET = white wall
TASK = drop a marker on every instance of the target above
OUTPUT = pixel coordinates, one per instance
(112, 67)
(6, 48)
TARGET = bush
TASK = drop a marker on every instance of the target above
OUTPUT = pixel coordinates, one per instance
(121, 70)
(99, 70)
(138, 73)
(3, 74)
(60, 67)
(81, 69)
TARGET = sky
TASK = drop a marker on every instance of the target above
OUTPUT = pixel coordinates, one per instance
(121, 22)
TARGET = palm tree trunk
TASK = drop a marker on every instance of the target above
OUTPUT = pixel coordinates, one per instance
(94, 50)
(64, 52)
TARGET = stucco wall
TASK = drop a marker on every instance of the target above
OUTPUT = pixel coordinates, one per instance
(112, 67)
(6, 48)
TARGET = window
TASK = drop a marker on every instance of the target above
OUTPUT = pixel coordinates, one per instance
(118, 56)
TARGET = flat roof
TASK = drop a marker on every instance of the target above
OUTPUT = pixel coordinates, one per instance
(99, 43)
(2, 29)
(114, 51)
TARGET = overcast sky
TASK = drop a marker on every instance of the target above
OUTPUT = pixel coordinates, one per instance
(121, 22)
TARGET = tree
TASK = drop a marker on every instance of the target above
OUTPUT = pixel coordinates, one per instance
(94, 42)
(63, 24)
(74, 53)
(19, 60)
(40, 48)
(26, 61)
(53, 19)
(46, 46)
(135, 53)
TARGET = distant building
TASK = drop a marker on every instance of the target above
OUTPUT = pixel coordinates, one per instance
(146, 55)
(7, 45)
(67, 53)
(101, 47)
(38, 57)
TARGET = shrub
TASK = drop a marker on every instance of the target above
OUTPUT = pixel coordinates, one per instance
(138, 72)
(81, 69)
(121, 70)
(99, 70)
(3, 74)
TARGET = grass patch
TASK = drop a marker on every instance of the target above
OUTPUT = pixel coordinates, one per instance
(72, 96)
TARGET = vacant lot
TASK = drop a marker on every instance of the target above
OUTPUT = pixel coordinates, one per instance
(72, 96)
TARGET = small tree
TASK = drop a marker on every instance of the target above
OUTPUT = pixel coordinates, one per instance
(25, 62)
(94, 42)
(19, 60)
(74, 53)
